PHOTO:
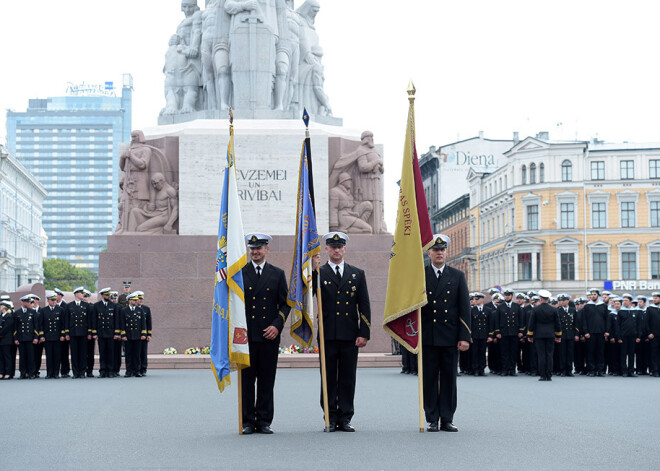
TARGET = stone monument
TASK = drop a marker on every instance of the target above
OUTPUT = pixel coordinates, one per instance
(262, 58)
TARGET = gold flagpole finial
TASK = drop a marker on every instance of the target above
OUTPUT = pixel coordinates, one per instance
(411, 92)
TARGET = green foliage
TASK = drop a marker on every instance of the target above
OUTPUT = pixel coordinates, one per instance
(58, 273)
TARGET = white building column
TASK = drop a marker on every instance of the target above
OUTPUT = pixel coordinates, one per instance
(534, 267)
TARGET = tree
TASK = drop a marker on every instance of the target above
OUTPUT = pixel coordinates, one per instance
(58, 273)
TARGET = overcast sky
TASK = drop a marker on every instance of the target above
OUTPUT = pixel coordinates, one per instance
(573, 68)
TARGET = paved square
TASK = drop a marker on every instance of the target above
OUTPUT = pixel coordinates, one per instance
(176, 419)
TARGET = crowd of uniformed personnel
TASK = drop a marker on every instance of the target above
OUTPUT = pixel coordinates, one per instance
(593, 335)
(68, 333)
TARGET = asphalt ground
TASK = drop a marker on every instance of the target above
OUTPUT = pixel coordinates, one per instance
(177, 419)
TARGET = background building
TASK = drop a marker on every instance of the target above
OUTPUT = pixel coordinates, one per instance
(568, 215)
(22, 239)
(71, 144)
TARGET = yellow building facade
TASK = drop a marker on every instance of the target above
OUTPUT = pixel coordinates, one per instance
(568, 216)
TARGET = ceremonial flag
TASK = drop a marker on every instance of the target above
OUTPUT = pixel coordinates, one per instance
(406, 284)
(229, 340)
(307, 245)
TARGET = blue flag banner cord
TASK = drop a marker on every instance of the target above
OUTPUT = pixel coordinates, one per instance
(307, 245)
(229, 341)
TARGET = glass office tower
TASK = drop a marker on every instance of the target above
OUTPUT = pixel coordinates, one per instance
(71, 144)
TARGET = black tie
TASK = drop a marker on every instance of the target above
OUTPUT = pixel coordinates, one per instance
(258, 271)
(338, 273)
(439, 273)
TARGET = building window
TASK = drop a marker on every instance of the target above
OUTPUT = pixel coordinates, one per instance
(532, 174)
(598, 170)
(627, 169)
(524, 266)
(655, 213)
(566, 171)
(568, 266)
(654, 168)
(655, 265)
(600, 266)
(524, 175)
(598, 216)
(567, 215)
(533, 217)
(629, 265)
(541, 173)
(627, 214)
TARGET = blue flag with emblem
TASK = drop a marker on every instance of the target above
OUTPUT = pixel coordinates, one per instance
(229, 340)
(307, 245)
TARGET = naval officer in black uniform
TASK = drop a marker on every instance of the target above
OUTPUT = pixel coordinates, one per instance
(543, 329)
(346, 324)
(266, 311)
(445, 332)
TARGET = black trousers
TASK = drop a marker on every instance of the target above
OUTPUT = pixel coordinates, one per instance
(408, 361)
(259, 378)
(509, 349)
(464, 362)
(520, 362)
(53, 357)
(545, 349)
(26, 360)
(144, 350)
(341, 370)
(78, 355)
(642, 355)
(439, 383)
(116, 356)
(65, 368)
(132, 356)
(478, 355)
(494, 360)
(566, 355)
(91, 346)
(580, 356)
(655, 355)
(627, 355)
(596, 354)
(5, 360)
(106, 355)
(38, 354)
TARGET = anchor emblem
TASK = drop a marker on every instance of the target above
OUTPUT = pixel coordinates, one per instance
(410, 325)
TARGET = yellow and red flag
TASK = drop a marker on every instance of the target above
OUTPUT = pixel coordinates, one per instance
(406, 283)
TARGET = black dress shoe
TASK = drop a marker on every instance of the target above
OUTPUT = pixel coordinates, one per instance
(248, 429)
(129, 375)
(66, 375)
(448, 427)
(542, 378)
(265, 429)
(332, 427)
(345, 427)
(433, 427)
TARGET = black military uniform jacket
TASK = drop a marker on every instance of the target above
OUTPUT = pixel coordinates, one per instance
(106, 319)
(612, 324)
(7, 328)
(26, 325)
(525, 312)
(594, 318)
(652, 320)
(479, 324)
(346, 306)
(544, 322)
(629, 323)
(132, 322)
(509, 320)
(446, 317)
(265, 300)
(147, 317)
(52, 321)
(78, 319)
(568, 322)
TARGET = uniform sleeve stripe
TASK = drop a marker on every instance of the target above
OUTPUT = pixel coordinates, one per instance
(365, 320)
(466, 326)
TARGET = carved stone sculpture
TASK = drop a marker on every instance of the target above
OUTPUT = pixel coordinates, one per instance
(346, 214)
(248, 54)
(364, 165)
(183, 71)
(148, 202)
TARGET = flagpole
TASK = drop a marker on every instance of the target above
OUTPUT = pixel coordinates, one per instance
(238, 371)
(324, 375)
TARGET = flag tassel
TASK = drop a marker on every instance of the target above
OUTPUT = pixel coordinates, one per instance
(420, 373)
(324, 374)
